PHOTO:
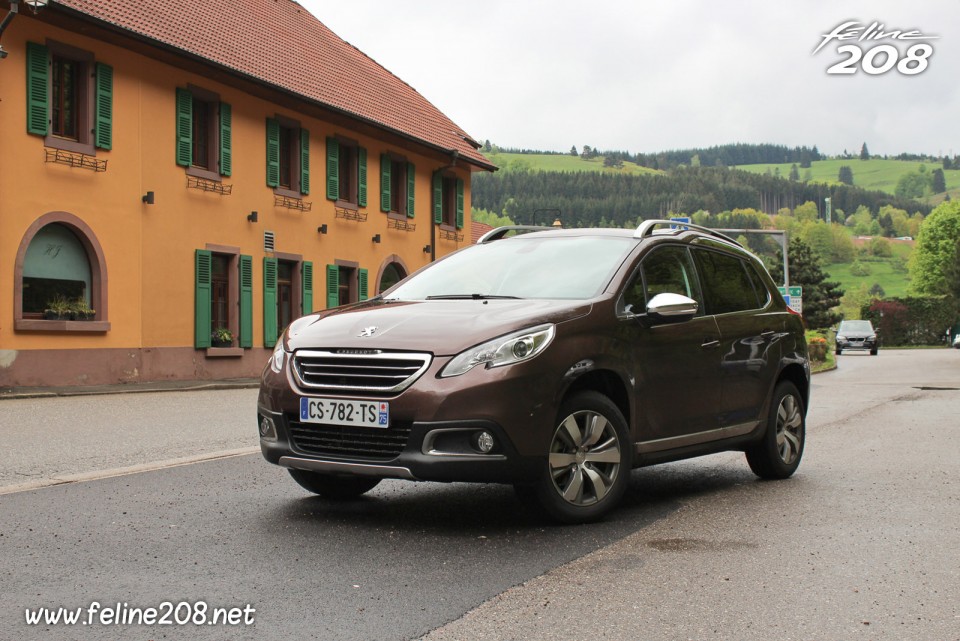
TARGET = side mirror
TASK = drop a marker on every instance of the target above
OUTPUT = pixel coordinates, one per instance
(671, 308)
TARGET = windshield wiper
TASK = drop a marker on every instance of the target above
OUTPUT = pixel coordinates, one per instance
(471, 297)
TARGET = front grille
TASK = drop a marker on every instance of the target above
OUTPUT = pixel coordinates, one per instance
(369, 373)
(349, 442)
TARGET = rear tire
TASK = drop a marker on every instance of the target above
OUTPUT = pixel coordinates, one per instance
(777, 455)
(587, 468)
(329, 486)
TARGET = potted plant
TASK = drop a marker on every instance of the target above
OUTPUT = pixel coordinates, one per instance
(58, 308)
(221, 337)
(82, 311)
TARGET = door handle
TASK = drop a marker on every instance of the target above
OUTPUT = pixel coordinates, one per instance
(710, 342)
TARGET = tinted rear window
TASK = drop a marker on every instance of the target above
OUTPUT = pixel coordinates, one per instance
(726, 285)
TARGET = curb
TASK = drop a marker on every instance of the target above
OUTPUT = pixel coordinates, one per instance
(130, 388)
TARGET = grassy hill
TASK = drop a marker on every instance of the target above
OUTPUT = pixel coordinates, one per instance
(560, 162)
(876, 173)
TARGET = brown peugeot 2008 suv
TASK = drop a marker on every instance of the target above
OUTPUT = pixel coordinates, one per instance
(554, 360)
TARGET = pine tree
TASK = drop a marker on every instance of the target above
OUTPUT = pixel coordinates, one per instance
(794, 172)
(846, 175)
(939, 182)
(573, 151)
(820, 297)
(864, 153)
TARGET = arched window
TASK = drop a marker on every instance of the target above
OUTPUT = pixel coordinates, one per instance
(391, 272)
(60, 260)
(55, 269)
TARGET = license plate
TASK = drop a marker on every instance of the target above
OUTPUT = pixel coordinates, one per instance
(337, 411)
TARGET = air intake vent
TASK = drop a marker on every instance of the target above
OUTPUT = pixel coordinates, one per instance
(268, 241)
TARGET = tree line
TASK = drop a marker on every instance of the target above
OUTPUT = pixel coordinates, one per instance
(590, 199)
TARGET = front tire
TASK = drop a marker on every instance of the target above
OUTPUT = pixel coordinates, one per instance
(329, 486)
(778, 454)
(587, 467)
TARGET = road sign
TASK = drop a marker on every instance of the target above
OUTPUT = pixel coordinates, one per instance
(680, 219)
(793, 296)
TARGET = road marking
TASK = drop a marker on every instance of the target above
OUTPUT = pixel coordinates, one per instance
(97, 475)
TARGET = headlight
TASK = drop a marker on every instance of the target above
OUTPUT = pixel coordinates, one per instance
(506, 350)
(872, 338)
(841, 338)
(276, 361)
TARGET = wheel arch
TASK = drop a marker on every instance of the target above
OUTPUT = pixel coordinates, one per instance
(798, 376)
(605, 382)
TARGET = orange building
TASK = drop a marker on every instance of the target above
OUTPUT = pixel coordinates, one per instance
(175, 173)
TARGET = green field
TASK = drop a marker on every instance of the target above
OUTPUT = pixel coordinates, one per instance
(894, 283)
(559, 162)
(876, 173)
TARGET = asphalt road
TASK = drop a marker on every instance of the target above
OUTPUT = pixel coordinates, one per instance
(861, 543)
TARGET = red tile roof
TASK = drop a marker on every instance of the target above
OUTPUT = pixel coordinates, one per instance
(280, 43)
(477, 230)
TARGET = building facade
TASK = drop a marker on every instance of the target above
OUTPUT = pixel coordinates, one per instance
(180, 180)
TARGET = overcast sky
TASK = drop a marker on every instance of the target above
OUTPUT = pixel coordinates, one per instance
(649, 76)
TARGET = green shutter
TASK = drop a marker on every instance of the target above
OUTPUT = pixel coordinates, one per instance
(38, 91)
(459, 203)
(269, 301)
(203, 276)
(385, 167)
(273, 152)
(362, 177)
(437, 198)
(246, 302)
(362, 281)
(226, 139)
(333, 286)
(184, 127)
(306, 289)
(333, 169)
(304, 162)
(411, 182)
(103, 127)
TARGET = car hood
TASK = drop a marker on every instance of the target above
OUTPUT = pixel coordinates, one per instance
(443, 327)
(856, 334)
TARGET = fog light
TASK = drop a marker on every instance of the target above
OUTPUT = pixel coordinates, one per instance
(267, 429)
(485, 442)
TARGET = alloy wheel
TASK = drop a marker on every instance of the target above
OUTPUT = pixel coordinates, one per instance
(789, 429)
(585, 458)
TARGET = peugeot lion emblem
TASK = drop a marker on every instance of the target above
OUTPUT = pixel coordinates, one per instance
(368, 331)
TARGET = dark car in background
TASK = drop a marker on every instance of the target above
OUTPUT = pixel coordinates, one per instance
(553, 360)
(857, 334)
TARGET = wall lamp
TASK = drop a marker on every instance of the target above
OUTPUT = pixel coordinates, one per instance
(148, 198)
(426, 249)
(322, 228)
(376, 239)
(35, 6)
(252, 217)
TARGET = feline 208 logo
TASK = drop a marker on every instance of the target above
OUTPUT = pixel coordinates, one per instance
(874, 59)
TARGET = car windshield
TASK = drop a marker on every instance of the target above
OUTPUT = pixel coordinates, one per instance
(565, 267)
(855, 326)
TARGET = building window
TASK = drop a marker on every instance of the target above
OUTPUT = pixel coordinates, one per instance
(397, 179)
(288, 157)
(448, 201)
(392, 274)
(60, 267)
(69, 98)
(223, 296)
(287, 293)
(346, 283)
(346, 173)
(204, 133)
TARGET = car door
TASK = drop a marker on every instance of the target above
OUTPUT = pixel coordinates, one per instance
(749, 334)
(676, 365)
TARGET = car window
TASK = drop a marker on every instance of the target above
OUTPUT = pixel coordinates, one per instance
(855, 326)
(529, 266)
(763, 294)
(726, 285)
(664, 270)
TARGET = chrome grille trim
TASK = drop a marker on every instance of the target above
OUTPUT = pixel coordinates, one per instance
(371, 373)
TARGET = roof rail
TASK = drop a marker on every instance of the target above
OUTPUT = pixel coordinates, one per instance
(500, 232)
(646, 229)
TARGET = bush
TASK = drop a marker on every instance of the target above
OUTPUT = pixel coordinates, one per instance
(913, 320)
